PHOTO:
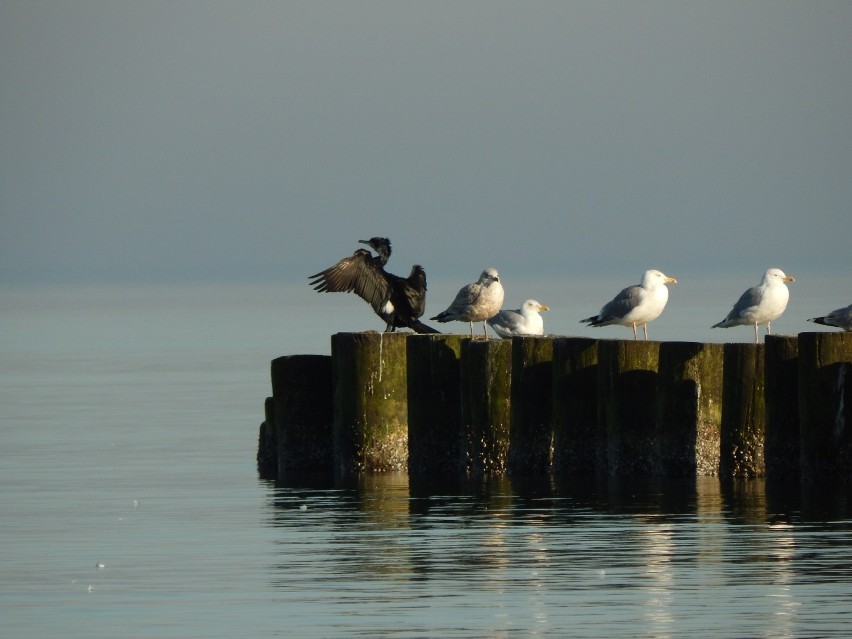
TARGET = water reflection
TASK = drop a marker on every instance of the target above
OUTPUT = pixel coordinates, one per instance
(553, 556)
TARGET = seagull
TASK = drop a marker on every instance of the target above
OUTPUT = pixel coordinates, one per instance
(841, 318)
(397, 300)
(523, 321)
(476, 302)
(636, 305)
(760, 304)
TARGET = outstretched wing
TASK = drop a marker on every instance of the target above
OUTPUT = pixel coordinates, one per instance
(359, 274)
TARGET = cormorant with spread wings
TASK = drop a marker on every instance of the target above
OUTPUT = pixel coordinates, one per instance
(399, 301)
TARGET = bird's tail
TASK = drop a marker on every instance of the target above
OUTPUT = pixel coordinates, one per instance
(419, 327)
(819, 320)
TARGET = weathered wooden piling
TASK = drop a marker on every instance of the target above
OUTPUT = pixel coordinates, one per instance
(267, 444)
(440, 405)
(689, 408)
(486, 367)
(743, 412)
(531, 438)
(627, 404)
(302, 412)
(436, 434)
(575, 407)
(370, 401)
(825, 397)
(782, 449)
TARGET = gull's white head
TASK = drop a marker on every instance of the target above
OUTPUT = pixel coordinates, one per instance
(531, 306)
(654, 278)
(777, 275)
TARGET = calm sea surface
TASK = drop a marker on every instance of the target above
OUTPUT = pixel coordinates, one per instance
(130, 504)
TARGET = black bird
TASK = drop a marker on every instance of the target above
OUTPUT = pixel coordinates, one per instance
(399, 301)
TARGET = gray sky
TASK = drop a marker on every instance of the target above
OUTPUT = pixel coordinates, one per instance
(159, 141)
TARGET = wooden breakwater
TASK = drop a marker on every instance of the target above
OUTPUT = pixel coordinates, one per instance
(446, 405)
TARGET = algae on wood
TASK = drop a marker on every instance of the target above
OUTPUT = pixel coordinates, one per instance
(370, 401)
(689, 408)
(486, 403)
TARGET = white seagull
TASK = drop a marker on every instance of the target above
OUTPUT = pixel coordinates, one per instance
(760, 304)
(522, 321)
(841, 318)
(636, 305)
(476, 302)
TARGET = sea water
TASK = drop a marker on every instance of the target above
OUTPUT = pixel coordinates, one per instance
(130, 504)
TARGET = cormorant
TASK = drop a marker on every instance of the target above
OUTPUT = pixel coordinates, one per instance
(397, 300)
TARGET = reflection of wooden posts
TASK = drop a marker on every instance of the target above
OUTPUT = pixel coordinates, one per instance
(627, 392)
(575, 406)
(825, 402)
(302, 412)
(782, 447)
(436, 439)
(531, 445)
(486, 378)
(370, 401)
(743, 411)
(689, 408)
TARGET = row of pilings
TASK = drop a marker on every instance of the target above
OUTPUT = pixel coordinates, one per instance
(445, 405)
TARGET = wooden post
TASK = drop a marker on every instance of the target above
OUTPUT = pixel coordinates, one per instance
(531, 438)
(302, 408)
(825, 397)
(627, 396)
(486, 376)
(782, 448)
(689, 403)
(267, 444)
(436, 437)
(370, 402)
(743, 412)
(575, 407)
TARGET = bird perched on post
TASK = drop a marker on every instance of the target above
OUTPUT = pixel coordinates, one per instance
(522, 321)
(476, 302)
(760, 304)
(399, 301)
(841, 318)
(636, 305)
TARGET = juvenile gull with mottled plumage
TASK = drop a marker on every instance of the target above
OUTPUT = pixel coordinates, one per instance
(476, 302)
